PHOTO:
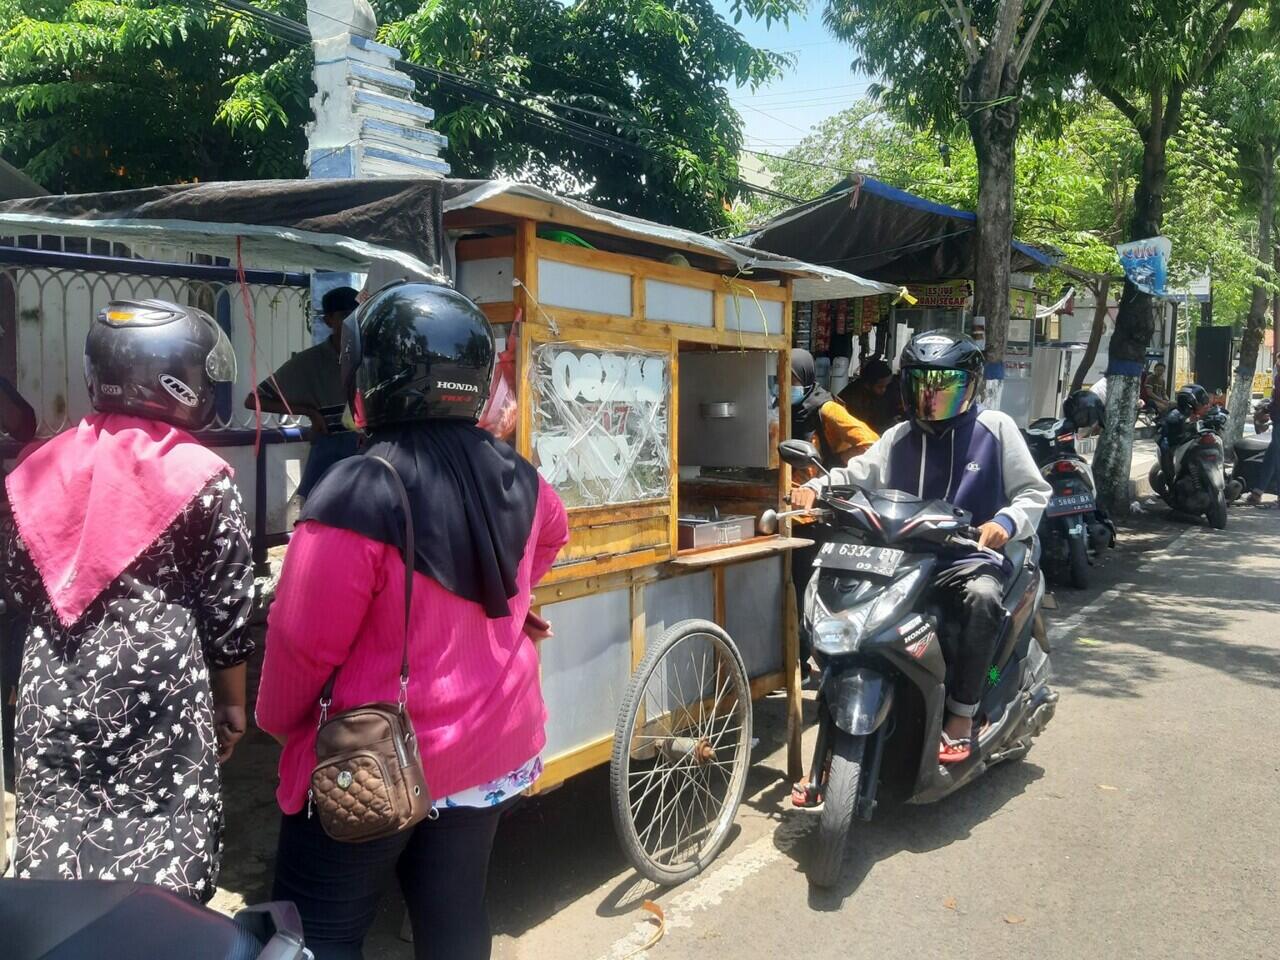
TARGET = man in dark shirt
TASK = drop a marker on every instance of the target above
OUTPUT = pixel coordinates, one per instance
(17, 419)
(309, 385)
(18, 422)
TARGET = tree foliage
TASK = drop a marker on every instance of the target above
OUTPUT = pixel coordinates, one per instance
(102, 95)
(1074, 189)
(951, 61)
(98, 95)
(651, 72)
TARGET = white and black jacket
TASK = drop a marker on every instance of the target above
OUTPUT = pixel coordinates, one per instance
(979, 462)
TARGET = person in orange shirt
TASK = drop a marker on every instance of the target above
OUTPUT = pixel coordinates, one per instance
(821, 419)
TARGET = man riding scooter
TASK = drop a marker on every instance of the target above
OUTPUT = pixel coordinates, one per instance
(954, 450)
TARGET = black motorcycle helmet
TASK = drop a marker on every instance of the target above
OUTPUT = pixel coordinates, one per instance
(155, 359)
(416, 351)
(942, 375)
(1191, 398)
(1085, 409)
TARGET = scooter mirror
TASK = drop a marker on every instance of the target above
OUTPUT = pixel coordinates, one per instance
(799, 453)
(767, 525)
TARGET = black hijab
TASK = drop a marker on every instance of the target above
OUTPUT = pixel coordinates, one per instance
(806, 419)
(473, 500)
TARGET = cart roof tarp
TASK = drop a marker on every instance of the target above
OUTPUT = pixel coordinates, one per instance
(348, 225)
(885, 233)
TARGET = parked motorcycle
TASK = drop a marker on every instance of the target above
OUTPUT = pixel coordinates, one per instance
(1073, 530)
(1192, 479)
(878, 635)
(1249, 452)
(117, 920)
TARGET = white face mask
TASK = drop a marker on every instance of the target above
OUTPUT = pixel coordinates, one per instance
(797, 393)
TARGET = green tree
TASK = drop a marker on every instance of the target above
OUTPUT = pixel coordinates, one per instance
(1246, 95)
(653, 72)
(962, 61)
(98, 95)
(1146, 59)
(1073, 191)
(106, 95)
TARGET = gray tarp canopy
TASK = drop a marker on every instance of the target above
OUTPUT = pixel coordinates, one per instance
(885, 233)
(347, 225)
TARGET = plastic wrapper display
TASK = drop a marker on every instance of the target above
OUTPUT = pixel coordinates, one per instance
(601, 423)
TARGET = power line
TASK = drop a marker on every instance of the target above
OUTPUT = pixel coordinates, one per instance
(291, 30)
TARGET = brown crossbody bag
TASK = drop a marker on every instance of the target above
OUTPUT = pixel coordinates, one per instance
(368, 781)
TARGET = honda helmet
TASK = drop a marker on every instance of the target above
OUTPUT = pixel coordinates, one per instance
(416, 351)
(941, 375)
(155, 359)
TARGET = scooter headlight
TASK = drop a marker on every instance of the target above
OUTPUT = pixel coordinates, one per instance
(842, 632)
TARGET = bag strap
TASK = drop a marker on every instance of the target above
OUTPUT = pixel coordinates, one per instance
(326, 695)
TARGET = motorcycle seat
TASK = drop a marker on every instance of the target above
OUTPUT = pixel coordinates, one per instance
(113, 920)
(1254, 444)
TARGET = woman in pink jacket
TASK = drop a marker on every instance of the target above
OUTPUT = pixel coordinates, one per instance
(417, 360)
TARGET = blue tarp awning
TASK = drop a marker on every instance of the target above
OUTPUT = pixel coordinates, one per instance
(880, 232)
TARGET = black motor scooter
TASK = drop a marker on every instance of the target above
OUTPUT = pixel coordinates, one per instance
(1192, 479)
(878, 636)
(1073, 530)
(118, 920)
(1249, 452)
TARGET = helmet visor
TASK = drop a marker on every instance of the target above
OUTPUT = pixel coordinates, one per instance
(220, 364)
(940, 394)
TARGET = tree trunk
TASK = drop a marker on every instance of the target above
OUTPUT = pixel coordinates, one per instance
(1256, 325)
(1113, 459)
(1101, 294)
(994, 130)
(1135, 323)
(1275, 311)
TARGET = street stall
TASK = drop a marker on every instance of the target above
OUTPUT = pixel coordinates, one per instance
(638, 366)
(925, 251)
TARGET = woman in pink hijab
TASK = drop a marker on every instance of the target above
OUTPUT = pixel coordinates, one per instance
(127, 558)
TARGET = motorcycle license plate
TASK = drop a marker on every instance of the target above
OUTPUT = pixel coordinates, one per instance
(859, 558)
(1077, 503)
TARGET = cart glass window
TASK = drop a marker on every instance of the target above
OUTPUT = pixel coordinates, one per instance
(601, 423)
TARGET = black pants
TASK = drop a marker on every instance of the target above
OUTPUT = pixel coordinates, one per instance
(801, 571)
(442, 866)
(980, 602)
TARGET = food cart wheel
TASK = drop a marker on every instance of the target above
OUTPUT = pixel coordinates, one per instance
(681, 752)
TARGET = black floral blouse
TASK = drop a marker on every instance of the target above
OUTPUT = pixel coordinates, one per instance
(117, 771)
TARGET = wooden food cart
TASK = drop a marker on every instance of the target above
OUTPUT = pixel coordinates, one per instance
(646, 363)
(648, 360)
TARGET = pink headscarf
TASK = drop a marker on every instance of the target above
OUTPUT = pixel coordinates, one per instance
(93, 498)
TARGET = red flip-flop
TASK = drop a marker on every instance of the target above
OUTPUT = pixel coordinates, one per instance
(804, 796)
(954, 751)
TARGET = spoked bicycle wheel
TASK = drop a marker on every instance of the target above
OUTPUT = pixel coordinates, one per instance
(681, 752)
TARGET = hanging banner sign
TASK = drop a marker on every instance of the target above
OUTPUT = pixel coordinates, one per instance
(1022, 303)
(1146, 264)
(952, 295)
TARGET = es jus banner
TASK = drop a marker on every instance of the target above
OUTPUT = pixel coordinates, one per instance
(1146, 264)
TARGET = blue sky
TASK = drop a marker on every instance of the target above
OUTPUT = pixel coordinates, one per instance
(821, 83)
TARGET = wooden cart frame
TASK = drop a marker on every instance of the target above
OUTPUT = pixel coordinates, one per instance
(628, 550)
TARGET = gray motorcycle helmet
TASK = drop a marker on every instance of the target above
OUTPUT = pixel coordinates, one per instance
(159, 360)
